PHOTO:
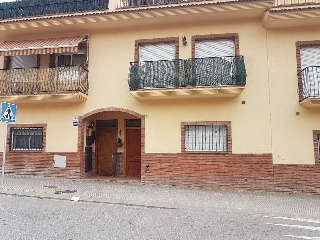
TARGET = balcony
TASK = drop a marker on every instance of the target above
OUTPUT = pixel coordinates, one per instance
(32, 8)
(309, 92)
(66, 84)
(189, 78)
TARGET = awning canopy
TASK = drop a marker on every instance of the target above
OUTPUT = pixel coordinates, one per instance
(41, 46)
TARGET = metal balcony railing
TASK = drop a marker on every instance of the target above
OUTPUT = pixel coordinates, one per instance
(32, 8)
(279, 3)
(310, 77)
(44, 81)
(143, 3)
(194, 72)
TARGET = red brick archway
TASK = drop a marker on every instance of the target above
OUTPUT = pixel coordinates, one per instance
(81, 130)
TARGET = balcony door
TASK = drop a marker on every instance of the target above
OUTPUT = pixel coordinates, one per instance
(214, 62)
(310, 63)
(157, 70)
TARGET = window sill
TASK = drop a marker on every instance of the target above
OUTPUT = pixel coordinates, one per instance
(26, 151)
(205, 152)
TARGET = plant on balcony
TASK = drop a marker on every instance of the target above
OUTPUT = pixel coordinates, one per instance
(31, 8)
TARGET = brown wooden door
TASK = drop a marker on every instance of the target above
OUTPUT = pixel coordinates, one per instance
(133, 152)
(106, 139)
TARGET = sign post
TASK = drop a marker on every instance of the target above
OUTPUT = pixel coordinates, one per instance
(8, 114)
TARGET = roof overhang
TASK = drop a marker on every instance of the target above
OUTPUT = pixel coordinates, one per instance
(41, 46)
(294, 16)
(187, 12)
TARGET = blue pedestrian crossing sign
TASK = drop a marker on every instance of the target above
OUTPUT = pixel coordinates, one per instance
(8, 112)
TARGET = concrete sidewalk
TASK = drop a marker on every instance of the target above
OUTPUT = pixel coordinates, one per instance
(134, 193)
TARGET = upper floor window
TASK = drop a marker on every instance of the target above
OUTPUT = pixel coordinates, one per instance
(155, 62)
(21, 61)
(70, 59)
(157, 52)
(214, 48)
(309, 56)
(215, 59)
(309, 69)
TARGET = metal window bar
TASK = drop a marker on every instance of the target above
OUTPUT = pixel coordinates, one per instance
(194, 72)
(310, 77)
(202, 138)
(28, 139)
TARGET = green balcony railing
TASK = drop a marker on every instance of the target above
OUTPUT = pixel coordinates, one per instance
(32, 8)
(195, 72)
(33, 81)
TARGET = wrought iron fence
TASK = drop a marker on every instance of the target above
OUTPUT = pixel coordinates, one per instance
(44, 80)
(31, 8)
(279, 3)
(195, 72)
(310, 77)
(141, 3)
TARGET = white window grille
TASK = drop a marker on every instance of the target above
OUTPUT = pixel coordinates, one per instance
(202, 138)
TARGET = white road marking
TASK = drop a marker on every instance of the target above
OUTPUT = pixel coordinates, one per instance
(296, 219)
(303, 237)
(295, 226)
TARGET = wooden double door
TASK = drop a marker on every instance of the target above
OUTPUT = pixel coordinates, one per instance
(106, 147)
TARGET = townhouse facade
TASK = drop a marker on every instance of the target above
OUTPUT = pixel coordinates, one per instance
(219, 94)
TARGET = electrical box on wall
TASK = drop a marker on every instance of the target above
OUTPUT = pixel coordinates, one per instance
(59, 161)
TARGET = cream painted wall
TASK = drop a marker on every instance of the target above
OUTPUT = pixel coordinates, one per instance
(292, 138)
(61, 135)
(110, 54)
(163, 129)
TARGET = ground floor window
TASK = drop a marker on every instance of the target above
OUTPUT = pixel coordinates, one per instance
(206, 137)
(26, 138)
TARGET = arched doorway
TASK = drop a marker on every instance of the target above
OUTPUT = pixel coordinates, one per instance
(110, 142)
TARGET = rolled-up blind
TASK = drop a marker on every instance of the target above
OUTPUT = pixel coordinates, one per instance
(310, 56)
(156, 52)
(215, 48)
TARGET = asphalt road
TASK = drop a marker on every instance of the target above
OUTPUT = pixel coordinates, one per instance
(24, 218)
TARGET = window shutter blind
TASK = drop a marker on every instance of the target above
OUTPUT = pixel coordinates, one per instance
(310, 56)
(24, 61)
(157, 52)
(215, 48)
